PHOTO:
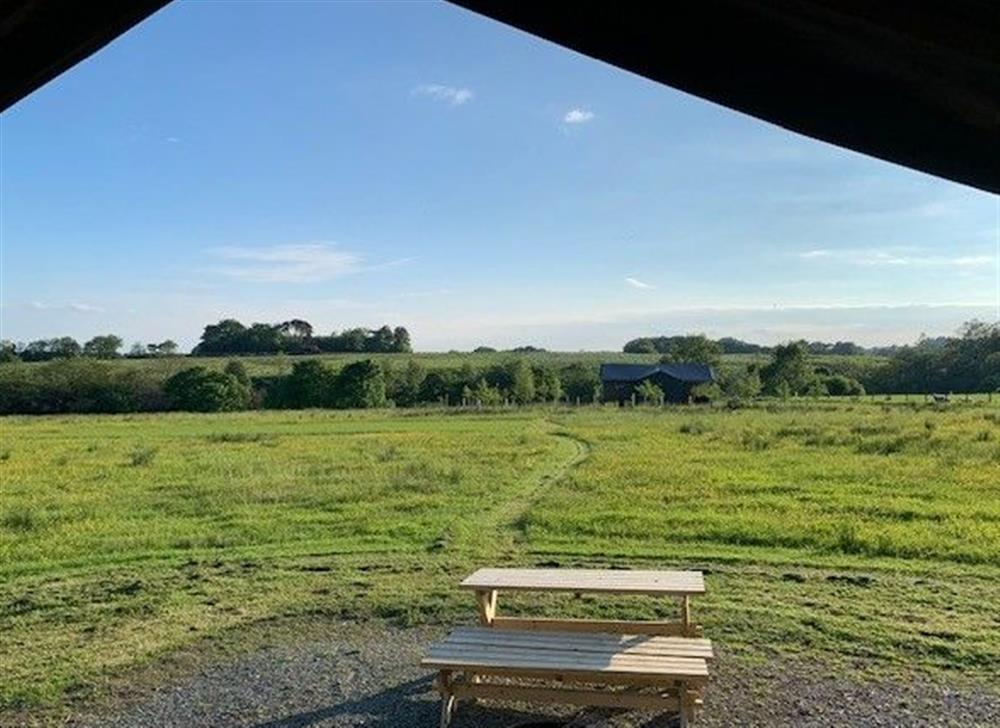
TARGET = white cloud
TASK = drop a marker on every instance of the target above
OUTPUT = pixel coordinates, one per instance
(79, 307)
(578, 116)
(449, 94)
(173, 140)
(297, 263)
(899, 256)
(636, 283)
(86, 308)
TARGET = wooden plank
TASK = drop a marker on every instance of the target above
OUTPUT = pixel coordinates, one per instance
(563, 661)
(597, 642)
(584, 677)
(665, 629)
(531, 694)
(608, 581)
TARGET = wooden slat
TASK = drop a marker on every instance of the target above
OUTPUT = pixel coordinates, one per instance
(665, 629)
(597, 643)
(616, 699)
(443, 656)
(608, 581)
(584, 677)
(569, 659)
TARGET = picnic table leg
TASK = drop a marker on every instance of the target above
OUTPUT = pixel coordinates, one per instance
(486, 600)
(686, 616)
(447, 698)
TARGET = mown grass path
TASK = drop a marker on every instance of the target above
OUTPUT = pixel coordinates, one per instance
(499, 533)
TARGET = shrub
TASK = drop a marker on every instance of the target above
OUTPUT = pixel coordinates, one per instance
(579, 382)
(360, 385)
(77, 385)
(839, 386)
(311, 384)
(200, 390)
(141, 456)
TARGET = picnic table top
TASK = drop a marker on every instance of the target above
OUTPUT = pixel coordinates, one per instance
(608, 581)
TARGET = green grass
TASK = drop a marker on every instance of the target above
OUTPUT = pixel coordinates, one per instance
(863, 535)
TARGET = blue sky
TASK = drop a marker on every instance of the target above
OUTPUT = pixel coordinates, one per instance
(413, 163)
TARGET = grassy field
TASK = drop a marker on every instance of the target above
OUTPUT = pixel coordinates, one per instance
(861, 534)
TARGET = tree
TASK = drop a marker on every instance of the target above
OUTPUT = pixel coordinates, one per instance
(296, 328)
(484, 350)
(744, 385)
(164, 348)
(311, 384)
(790, 367)
(839, 386)
(225, 337)
(649, 392)
(8, 351)
(579, 382)
(485, 395)
(200, 390)
(640, 346)
(103, 347)
(548, 388)
(137, 350)
(353, 340)
(696, 348)
(380, 340)
(434, 387)
(522, 382)
(65, 347)
(360, 384)
(401, 340)
(407, 386)
(236, 369)
(259, 339)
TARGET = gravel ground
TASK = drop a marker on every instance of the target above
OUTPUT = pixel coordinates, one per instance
(366, 675)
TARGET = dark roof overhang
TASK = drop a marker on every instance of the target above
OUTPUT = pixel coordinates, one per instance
(910, 82)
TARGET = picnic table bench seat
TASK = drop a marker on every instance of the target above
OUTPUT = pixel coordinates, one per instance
(637, 671)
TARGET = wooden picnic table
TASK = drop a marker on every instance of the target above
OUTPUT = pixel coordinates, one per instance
(680, 585)
(639, 664)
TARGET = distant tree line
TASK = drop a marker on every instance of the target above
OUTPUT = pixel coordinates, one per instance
(78, 379)
(107, 346)
(229, 337)
(679, 346)
(86, 385)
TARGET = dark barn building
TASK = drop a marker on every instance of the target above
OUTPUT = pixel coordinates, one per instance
(619, 381)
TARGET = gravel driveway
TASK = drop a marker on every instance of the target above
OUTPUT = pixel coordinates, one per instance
(366, 675)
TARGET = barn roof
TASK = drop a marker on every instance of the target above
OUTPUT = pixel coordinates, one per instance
(684, 372)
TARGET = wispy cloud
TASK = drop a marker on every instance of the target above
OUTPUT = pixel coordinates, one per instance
(578, 116)
(897, 257)
(296, 263)
(449, 94)
(636, 283)
(86, 308)
(75, 306)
